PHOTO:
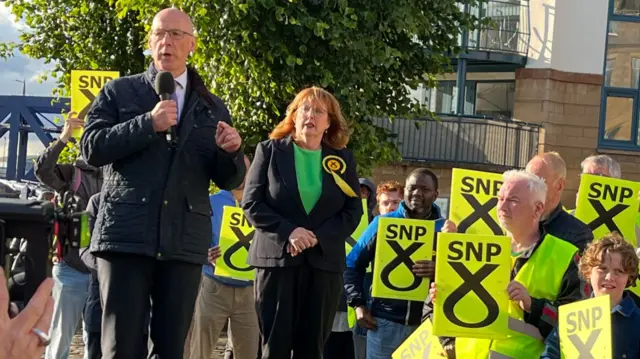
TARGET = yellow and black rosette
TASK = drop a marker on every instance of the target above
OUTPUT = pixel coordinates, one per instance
(336, 167)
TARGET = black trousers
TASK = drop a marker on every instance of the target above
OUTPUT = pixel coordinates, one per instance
(339, 346)
(126, 283)
(295, 307)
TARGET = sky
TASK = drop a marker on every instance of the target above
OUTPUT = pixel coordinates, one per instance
(20, 67)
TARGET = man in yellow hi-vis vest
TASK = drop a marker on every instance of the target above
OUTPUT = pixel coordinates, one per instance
(544, 274)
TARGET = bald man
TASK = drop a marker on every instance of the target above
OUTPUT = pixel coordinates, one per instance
(153, 226)
(552, 169)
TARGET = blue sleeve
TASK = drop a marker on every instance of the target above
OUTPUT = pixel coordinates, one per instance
(358, 260)
(439, 224)
(217, 207)
(551, 346)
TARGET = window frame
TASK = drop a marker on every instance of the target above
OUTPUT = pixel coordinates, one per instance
(608, 91)
(475, 97)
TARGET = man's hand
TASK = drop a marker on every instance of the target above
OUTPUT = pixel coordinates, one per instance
(433, 291)
(227, 137)
(164, 115)
(299, 240)
(213, 254)
(449, 227)
(424, 268)
(518, 293)
(365, 319)
(72, 123)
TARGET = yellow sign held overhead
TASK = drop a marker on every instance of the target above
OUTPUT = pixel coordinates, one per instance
(421, 344)
(472, 272)
(474, 196)
(584, 328)
(399, 244)
(236, 234)
(85, 86)
(609, 205)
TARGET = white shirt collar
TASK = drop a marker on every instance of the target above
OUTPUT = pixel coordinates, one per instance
(182, 80)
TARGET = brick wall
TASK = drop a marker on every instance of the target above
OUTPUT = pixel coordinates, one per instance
(568, 106)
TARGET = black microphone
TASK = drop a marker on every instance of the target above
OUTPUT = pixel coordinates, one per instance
(165, 87)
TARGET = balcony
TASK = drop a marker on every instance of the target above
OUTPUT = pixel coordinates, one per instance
(465, 140)
(505, 41)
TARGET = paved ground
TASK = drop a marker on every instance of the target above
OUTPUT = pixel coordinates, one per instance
(77, 347)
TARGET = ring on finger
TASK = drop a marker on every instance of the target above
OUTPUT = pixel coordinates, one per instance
(44, 338)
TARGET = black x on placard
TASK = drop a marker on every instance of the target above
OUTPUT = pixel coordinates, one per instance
(472, 282)
(403, 256)
(584, 349)
(606, 216)
(350, 241)
(89, 95)
(480, 212)
(244, 240)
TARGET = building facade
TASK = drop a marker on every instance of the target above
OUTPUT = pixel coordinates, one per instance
(548, 75)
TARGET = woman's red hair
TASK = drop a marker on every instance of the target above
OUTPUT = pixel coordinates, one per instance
(337, 135)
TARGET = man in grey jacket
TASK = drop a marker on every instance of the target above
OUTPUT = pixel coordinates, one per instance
(71, 276)
(153, 228)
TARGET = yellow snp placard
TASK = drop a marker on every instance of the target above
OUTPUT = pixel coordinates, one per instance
(350, 242)
(85, 86)
(472, 273)
(362, 226)
(584, 328)
(399, 244)
(421, 344)
(608, 205)
(236, 234)
(474, 196)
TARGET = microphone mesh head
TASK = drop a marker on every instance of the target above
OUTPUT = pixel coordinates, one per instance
(165, 84)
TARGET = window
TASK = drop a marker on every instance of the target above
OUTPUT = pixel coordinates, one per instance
(621, 87)
(618, 118)
(608, 72)
(622, 49)
(508, 34)
(626, 7)
(482, 98)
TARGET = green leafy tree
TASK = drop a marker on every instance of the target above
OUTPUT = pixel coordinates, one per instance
(257, 54)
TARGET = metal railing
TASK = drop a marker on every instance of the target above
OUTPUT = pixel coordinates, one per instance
(465, 140)
(509, 32)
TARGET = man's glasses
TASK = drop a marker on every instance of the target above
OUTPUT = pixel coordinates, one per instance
(174, 34)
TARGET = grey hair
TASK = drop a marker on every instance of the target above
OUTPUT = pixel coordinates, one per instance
(536, 185)
(603, 161)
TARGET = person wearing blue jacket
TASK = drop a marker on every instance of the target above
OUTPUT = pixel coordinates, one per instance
(391, 321)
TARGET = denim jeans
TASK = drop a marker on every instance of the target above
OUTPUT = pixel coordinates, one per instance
(387, 337)
(360, 333)
(70, 292)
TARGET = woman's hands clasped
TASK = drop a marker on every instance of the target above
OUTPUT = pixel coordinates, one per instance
(299, 240)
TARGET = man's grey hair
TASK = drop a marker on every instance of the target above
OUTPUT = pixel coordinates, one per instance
(536, 185)
(603, 161)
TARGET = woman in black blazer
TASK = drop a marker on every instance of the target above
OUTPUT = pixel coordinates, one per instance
(302, 197)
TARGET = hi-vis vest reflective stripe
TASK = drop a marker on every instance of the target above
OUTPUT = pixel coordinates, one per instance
(542, 276)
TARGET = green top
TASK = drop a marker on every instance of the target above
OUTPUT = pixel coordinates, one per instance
(309, 173)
